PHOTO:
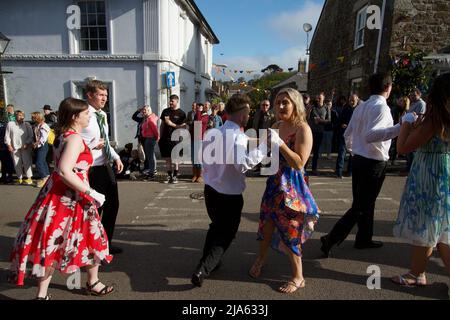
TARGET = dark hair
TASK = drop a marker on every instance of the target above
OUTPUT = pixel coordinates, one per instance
(237, 103)
(306, 96)
(174, 97)
(379, 82)
(93, 85)
(68, 108)
(439, 106)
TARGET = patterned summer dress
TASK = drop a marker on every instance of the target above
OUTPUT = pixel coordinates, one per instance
(62, 228)
(423, 217)
(287, 201)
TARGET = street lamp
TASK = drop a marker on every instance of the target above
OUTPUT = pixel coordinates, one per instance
(307, 28)
(4, 41)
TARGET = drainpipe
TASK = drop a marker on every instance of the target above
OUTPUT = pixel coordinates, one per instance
(380, 34)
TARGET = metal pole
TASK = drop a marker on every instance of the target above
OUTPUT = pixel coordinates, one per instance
(2, 89)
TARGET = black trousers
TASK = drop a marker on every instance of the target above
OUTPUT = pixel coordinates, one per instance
(317, 142)
(103, 180)
(367, 180)
(225, 214)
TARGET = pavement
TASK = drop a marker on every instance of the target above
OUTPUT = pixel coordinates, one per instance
(162, 227)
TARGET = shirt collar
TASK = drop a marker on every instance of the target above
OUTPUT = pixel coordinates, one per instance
(378, 97)
(232, 125)
(92, 109)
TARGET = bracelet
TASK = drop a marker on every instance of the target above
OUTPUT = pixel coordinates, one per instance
(88, 192)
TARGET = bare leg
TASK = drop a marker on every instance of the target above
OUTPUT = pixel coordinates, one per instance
(264, 244)
(44, 282)
(92, 275)
(419, 259)
(169, 164)
(297, 280)
(444, 251)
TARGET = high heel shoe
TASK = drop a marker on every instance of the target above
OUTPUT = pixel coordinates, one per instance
(47, 297)
(103, 292)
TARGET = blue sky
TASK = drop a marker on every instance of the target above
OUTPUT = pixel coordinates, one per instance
(256, 33)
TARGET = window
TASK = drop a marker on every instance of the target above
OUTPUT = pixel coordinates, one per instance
(361, 19)
(93, 33)
(356, 86)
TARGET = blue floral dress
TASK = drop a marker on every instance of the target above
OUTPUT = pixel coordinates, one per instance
(288, 202)
(423, 217)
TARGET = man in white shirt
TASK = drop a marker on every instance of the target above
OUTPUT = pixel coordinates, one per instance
(368, 137)
(101, 175)
(19, 141)
(225, 183)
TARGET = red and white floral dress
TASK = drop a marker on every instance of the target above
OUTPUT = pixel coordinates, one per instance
(62, 229)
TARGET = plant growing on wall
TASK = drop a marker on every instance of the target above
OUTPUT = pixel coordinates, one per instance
(410, 71)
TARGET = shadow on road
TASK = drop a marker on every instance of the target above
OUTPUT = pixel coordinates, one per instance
(153, 256)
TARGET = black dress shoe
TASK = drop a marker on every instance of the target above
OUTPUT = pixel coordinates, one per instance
(368, 245)
(115, 250)
(326, 247)
(197, 278)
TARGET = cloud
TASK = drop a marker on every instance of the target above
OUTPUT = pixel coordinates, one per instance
(289, 25)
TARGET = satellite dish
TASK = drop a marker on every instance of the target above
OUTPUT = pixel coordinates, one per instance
(307, 27)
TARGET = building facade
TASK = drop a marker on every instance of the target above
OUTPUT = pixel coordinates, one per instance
(345, 51)
(131, 45)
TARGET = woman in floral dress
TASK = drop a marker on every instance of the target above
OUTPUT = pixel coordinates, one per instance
(288, 209)
(424, 214)
(62, 230)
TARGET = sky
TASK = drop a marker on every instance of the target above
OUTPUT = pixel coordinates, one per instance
(256, 33)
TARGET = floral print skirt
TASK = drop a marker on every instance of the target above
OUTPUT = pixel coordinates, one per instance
(61, 230)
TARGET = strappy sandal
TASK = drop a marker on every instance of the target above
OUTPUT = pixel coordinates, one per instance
(47, 297)
(256, 269)
(105, 290)
(292, 283)
(410, 280)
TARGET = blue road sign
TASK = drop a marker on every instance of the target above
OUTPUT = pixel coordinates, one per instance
(170, 79)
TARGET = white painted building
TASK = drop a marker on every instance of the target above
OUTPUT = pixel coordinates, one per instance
(130, 45)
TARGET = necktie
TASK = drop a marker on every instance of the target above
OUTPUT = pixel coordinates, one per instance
(101, 124)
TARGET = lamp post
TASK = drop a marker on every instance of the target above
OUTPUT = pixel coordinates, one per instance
(4, 41)
(307, 28)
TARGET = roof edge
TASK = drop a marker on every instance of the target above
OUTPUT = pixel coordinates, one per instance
(204, 23)
(318, 22)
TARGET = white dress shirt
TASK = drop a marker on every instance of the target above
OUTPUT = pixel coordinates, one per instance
(371, 129)
(228, 177)
(91, 135)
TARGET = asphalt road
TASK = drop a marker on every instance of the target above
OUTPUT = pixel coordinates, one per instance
(162, 227)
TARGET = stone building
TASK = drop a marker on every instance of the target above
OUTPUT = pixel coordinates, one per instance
(345, 51)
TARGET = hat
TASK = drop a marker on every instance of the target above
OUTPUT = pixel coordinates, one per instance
(47, 107)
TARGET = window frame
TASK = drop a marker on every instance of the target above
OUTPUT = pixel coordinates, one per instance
(97, 26)
(353, 85)
(359, 29)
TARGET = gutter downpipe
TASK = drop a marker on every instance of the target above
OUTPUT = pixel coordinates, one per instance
(377, 58)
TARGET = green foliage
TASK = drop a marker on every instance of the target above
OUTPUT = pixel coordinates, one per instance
(410, 71)
(262, 86)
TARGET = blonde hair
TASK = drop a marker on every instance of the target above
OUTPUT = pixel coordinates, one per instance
(38, 116)
(299, 113)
